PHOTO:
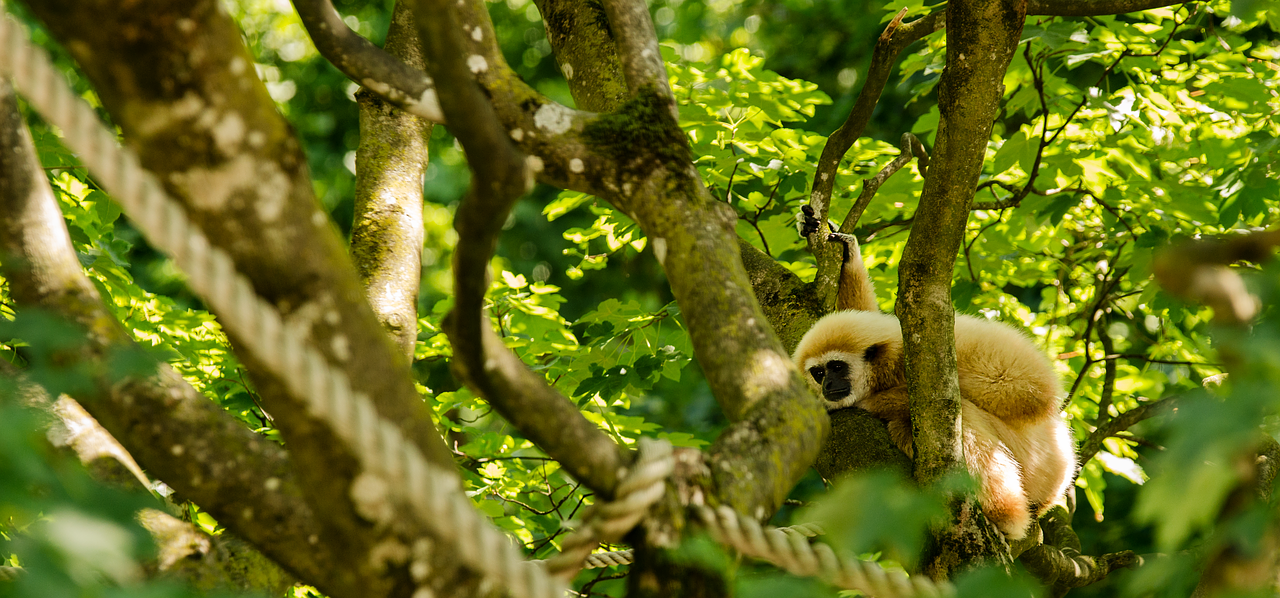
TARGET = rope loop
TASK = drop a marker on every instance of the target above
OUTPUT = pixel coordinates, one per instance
(639, 488)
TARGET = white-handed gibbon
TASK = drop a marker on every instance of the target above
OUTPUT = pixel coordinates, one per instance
(1013, 435)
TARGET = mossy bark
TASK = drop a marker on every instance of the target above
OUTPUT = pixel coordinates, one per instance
(982, 36)
(386, 232)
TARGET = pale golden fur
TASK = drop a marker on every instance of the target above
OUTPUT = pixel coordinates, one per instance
(1013, 434)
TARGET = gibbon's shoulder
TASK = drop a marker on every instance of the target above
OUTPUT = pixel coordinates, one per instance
(849, 331)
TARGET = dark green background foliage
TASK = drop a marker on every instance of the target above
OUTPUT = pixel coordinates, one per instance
(1150, 128)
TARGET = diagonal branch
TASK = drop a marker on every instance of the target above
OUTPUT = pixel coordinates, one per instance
(361, 61)
(896, 37)
(638, 48)
(911, 148)
(1115, 425)
(500, 175)
(1058, 563)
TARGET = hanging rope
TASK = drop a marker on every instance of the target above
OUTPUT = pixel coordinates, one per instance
(431, 493)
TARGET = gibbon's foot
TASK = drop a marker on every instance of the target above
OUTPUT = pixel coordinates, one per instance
(848, 242)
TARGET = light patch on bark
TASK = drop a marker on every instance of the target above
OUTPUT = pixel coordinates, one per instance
(372, 499)
(431, 105)
(660, 250)
(424, 592)
(177, 450)
(212, 189)
(477, 34)
(517, 134)
(477, 63)
(567, 69)
(387, 554)
(229, 133)
(271, 484)
(770, 372)
(236, 65)
(553, 118)
(341, 348)
(575, 165)
(161, 116)
(535, 163)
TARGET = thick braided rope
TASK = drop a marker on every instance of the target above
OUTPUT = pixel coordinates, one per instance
(597, 560)
(790, 549)
(609, 521)
(433, 494)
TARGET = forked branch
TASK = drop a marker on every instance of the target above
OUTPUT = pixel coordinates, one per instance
(911, 148)
(500, 176)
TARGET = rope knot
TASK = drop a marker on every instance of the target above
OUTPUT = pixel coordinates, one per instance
(640, 487)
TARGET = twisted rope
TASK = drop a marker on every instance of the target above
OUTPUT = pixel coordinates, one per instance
(607, 522)
(626, 557)
(789, 548)
(431, 493)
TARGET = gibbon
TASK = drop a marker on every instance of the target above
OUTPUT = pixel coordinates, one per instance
(1012, 432)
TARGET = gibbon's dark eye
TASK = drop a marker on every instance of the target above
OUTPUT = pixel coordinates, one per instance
(837, 367)
(817, 372)
(873, 352)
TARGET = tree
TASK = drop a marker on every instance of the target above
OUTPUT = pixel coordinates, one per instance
(1066, 146)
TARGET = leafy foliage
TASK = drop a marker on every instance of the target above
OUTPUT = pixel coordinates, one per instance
(1126, 132)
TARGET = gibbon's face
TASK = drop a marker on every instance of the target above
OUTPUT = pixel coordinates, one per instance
(840, 377)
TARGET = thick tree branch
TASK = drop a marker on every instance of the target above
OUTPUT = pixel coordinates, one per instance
(175, 432)
(584, 48)
(896, 37)
(1058, 563)
(183, 90)
(500, 176)
(386, 233)
(1090, 8)
(642, 64)
(981, 40)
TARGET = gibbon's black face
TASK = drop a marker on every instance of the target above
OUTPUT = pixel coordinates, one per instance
(833, 375)
(834, 378)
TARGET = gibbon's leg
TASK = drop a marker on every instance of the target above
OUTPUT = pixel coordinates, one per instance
(999, 476)
(856, 290)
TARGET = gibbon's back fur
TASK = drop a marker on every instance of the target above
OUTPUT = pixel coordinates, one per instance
(1014, 438)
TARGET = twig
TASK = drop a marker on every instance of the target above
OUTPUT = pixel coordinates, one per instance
(896, 37)
(1121, 423)
(911, 147)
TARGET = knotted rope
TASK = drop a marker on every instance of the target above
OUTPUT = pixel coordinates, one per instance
(609, 521)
